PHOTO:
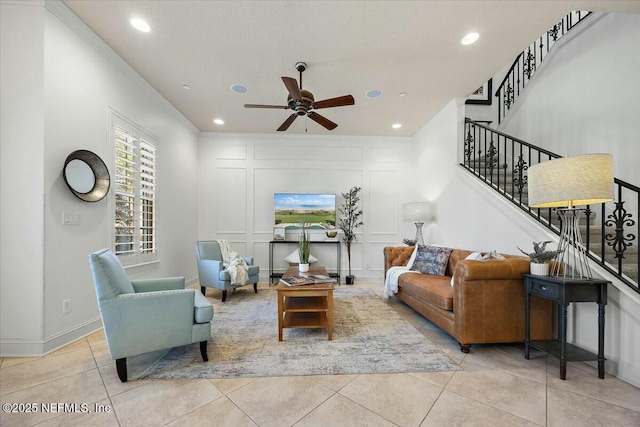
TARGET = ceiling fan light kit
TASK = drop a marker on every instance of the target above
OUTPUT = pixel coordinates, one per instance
(303, 103)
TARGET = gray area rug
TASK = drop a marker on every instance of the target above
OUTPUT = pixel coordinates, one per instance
(368, 337)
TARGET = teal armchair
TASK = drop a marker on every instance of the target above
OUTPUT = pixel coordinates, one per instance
(140, 316)
(212, 273)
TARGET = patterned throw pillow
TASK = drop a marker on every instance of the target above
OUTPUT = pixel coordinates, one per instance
(431, 260)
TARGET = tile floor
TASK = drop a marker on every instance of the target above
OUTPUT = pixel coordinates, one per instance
(496, 386)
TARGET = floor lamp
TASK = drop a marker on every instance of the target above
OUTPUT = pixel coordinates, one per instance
(564, 184)
(418, 212)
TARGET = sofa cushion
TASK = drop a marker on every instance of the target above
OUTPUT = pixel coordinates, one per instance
(431, 260)
(426, 287)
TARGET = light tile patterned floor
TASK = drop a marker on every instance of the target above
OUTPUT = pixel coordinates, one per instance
(495, 387)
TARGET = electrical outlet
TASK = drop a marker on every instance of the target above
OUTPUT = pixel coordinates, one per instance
(66, 306)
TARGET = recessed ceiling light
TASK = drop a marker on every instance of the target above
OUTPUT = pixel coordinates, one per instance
(396, 125)
(140, 25)
(402, 94)
(186, 87)
(470, 38)
(374, 93)
(218, 121)
(239, 89)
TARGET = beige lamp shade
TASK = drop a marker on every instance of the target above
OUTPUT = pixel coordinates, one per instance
(571, 181)
(417, 211)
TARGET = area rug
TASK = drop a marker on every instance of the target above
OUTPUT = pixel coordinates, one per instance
(368, 337)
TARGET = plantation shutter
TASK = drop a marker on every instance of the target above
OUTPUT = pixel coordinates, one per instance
(135, 190)
(125, 191)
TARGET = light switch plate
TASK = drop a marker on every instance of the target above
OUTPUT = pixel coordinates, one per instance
(70, 218)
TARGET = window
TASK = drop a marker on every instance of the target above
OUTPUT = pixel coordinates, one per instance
(134, 210)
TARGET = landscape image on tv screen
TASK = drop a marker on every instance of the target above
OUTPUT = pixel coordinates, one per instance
(293, 209)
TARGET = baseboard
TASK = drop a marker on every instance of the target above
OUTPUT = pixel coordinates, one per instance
(35, 348)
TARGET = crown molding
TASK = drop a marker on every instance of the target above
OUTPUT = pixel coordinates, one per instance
(62, 12)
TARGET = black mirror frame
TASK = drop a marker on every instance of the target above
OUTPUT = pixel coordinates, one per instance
(100, 172)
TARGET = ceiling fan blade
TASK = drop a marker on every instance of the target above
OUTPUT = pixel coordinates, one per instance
(335, 102)
(279, 107)
(284, 126)
(292, 87)
(322, 121)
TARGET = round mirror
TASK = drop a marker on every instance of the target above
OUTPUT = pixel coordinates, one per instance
(79, 176)
(86, 176)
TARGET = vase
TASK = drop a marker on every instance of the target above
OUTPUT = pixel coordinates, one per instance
(539, 269)
(303, 268)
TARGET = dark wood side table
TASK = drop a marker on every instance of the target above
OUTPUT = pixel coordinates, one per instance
(565, 291)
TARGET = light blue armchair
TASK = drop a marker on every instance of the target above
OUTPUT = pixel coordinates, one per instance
(140, 316)
(212, 273)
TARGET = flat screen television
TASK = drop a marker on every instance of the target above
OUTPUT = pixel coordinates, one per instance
(313, 210)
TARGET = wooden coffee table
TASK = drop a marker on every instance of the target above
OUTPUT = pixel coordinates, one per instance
(306, 306)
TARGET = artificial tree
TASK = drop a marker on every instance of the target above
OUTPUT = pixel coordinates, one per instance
(350, 220)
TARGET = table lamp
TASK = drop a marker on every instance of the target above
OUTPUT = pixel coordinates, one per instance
(418, 212)
(564, 184)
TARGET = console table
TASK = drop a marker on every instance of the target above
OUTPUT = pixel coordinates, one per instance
(278, 274)
(565, 291)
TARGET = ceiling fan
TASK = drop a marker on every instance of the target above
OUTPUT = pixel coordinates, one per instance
(302, 102)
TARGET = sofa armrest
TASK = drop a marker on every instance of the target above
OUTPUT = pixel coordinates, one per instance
(163, 284)
(148, 321)
(396, 256)
(488, 302)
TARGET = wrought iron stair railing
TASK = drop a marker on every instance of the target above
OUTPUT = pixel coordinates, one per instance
(609, 231)
(526, 64)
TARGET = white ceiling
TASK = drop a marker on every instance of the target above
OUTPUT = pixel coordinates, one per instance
(350, 47)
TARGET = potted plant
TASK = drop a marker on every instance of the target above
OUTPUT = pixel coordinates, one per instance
(304, 249)
(540, 258)
(349, 222)
(410, 242)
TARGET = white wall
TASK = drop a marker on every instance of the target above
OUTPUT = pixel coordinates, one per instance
(239, 173)
(21, 171)
(475, 217)
(58, 100)
(585, 97)
(81, 80)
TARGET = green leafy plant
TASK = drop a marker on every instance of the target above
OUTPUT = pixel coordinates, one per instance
(410, 242)
(540, 255)
(351, 219)
(304, 246)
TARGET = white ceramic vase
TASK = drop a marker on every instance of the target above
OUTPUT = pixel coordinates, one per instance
(303, 268)
(539, 269)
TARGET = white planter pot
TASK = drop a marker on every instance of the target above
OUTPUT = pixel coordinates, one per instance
(303, 268)
(539, 269)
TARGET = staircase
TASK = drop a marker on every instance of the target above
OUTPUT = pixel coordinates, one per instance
(526, 64)
(609, 231)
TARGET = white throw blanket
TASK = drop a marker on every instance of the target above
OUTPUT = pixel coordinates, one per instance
(393, 274)
(234, 264)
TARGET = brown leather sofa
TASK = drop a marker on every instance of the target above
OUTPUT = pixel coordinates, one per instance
(485, 305)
